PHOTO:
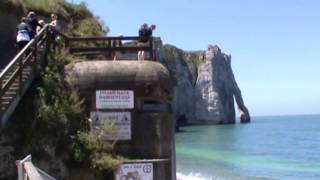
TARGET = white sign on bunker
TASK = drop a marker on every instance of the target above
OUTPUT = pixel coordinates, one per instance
(114, 99)
(137, 171)
(120, 123)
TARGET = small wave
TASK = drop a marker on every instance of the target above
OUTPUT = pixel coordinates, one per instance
(193, 176)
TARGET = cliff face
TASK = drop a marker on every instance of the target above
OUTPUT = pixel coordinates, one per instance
(205, 86)
(7, 37)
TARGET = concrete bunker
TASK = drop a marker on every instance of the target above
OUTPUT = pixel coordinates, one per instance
(137, 95)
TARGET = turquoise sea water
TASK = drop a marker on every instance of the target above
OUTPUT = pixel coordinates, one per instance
(282, 147)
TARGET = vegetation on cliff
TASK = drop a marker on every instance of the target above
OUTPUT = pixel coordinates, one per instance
(50, 122)
(77, 18)
(61, 118)
(51, 125)
(172, 53)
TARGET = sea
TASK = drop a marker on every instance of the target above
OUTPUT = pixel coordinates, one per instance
(273, 147)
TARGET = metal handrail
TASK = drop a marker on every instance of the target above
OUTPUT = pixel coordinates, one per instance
(98, 38)
(13, 72)
(23, 51)
(37, 174)
(109, 47)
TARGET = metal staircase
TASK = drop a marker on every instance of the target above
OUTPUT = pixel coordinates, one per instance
(17, 76)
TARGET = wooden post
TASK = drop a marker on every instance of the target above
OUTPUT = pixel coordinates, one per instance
(48, 43)
(67, 45)
(109, 43)
(35, 57)
(20, 168)
(1, 94)
(151, 49)
(20, 74)
(31, 171)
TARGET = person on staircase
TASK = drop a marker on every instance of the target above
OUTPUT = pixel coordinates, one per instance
(54, 29)
(33, 23)
(42, 23)
(23, 34)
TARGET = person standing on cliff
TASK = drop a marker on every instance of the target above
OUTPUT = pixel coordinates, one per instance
(145, 33)
(24, 33)
(117, 43)
(54, 22)
(33, 23)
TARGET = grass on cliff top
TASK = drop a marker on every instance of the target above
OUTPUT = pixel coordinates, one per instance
(171, 53)
(63, 9)
(79, 19)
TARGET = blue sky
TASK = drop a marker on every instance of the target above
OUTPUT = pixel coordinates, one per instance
(275, 44)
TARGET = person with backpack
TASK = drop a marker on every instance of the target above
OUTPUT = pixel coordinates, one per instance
(23, 34)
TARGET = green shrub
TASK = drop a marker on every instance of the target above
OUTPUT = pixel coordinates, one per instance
(168, 52)
(61, 118)
(47, 7)
(87, 27)
(60, 113)
(88, 149)
(77, 16)
(76, 12)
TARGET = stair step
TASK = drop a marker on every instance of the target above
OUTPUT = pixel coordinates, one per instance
(24, 72)
(14, 88)
(9, 93)
(7, 97)
(5, 102)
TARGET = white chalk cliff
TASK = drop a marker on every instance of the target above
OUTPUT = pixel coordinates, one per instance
(205, 86)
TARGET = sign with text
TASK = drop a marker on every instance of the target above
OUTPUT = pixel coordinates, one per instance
(114, 99)
(111, 125)
(137, 171)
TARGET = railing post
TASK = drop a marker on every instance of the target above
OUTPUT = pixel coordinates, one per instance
(49, 40)
(66, 43)
(35, 56)
(20, 168)
(20, 74)
(109, 47)
(1, 94)
(151, 48)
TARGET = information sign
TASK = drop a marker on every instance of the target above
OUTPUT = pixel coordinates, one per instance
(119, 124)
(139, 171)
(114, 99)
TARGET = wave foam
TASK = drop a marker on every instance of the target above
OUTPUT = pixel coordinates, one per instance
(191, 176)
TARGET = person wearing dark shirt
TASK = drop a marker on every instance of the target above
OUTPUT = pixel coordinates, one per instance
(23, 35)
(33, 23)
(145, 33)
(151, 29)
